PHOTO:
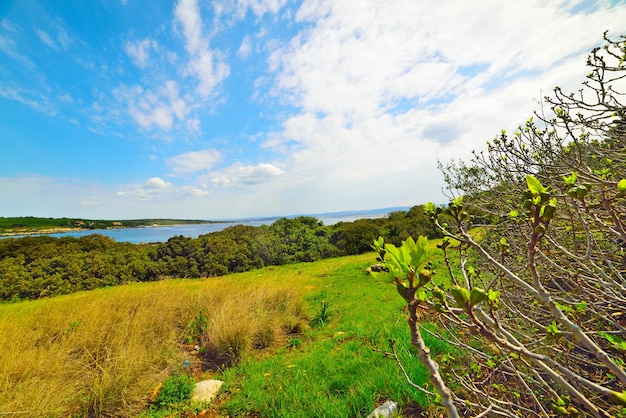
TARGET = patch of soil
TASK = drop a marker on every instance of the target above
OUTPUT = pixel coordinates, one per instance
(412, 410)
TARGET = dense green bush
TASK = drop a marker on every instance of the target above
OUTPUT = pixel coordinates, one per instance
(35, 267)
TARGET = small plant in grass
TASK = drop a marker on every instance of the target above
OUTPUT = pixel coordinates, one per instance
(175, 389)
(323, 309)
(197, 326)
(294, 342)
(322, 315)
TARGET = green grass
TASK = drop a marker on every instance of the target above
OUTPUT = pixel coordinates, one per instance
(101, 353)
(338, 369)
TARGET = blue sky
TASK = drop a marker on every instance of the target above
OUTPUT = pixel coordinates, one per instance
(122, 109)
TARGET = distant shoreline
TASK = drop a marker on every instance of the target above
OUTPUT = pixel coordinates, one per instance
(27, 226)
(40, 232)
(61, 230)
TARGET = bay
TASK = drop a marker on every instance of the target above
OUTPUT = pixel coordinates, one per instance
(154, 234)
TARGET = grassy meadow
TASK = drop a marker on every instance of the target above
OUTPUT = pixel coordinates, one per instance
(290, 341)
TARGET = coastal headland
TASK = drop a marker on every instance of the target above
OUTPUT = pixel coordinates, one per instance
(27, 225)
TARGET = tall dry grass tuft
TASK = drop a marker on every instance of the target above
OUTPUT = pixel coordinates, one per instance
(99, 353)
(251, 320)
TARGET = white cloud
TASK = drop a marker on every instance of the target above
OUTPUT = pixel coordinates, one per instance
(239, 174)
(239, 8)
(32, 98)
(383, 91)
(193, 126)
(65, 98)
(153, 188)
(203, 63)
(23, 196)
(59, 40)
(260, 7)
(245, 48)
(46, 39)
(139, 51)
(63, 38)
(157, 189)
(154, 109)
(9, 47)
(194, 191)
(373, 56)
(9, 26)
(156, 183)
(195, 161)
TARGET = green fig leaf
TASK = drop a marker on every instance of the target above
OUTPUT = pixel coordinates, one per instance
(461, 296)
(477, 295)
(534, 185)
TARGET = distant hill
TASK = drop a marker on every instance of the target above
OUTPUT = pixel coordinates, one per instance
(379, 211)
(339, 214)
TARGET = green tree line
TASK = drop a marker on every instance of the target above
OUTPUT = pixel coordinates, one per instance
(43, 266)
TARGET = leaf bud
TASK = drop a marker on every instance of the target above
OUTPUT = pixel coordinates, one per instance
(424, 277)
(618, 398)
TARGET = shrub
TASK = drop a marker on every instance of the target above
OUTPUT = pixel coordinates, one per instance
(538, 300)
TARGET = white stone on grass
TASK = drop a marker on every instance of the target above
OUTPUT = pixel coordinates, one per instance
(206, 390)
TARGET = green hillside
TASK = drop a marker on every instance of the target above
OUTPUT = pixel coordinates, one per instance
(304, 337)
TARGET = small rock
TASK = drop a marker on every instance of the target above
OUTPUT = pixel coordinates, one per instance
(206, 390)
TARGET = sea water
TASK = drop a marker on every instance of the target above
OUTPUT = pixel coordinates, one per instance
(150, 234)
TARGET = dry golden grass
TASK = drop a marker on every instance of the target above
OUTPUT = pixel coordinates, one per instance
(244, 321)
(99, 353)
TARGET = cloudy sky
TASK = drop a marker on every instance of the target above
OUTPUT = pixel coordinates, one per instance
(122, 109)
